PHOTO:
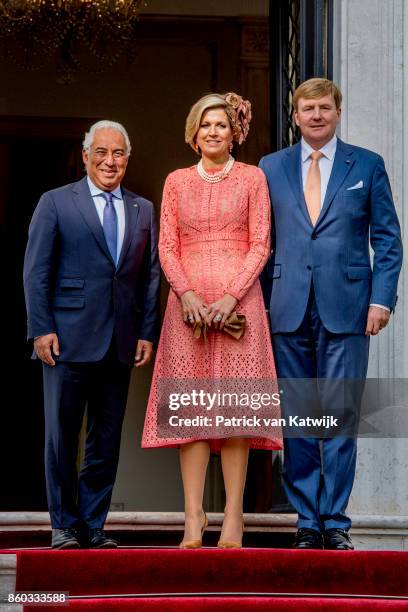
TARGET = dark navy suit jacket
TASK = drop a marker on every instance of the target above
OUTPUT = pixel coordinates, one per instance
(72, 285)
(335, 253)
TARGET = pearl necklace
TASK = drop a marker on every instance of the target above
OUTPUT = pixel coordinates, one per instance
(215, 177)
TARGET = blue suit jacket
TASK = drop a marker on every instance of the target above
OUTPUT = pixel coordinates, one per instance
(72, 286)
(334, 253)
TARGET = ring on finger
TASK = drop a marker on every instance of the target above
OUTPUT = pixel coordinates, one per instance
(191, 318)
(218, 318)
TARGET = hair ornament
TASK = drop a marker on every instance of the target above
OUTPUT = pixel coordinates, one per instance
(242, 114)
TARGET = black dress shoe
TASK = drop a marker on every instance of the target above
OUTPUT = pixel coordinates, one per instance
(337, 539)
(99, 539)
(308, 538)
(64, 539)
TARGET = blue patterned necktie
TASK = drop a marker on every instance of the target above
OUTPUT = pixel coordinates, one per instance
(110, 225)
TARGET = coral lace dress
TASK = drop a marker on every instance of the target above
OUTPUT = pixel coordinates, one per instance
(214, 239)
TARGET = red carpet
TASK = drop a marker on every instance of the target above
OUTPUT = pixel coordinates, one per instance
(247, 570)
(229, 604)
(252, 571)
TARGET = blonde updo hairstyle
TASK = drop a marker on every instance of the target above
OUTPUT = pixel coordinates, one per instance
(233, 105)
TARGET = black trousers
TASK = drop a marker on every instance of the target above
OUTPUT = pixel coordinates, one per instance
(69, 388)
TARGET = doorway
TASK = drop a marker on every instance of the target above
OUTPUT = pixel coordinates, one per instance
(36, 155)
(175, 59)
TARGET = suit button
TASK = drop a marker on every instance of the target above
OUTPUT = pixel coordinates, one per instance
(309, 267)
(115, 278)
(314, 236)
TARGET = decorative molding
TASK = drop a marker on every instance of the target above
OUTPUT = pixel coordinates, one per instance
(224, 8)
(255, 40)
(254, 63)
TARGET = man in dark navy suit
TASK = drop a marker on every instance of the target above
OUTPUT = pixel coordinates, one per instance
(330, 201)
(91, 279)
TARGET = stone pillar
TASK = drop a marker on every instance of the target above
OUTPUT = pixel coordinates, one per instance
(371, 67)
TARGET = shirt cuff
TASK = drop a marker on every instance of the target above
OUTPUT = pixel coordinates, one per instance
(381, 306)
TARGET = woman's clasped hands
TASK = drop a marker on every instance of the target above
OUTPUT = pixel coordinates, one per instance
(195, 310)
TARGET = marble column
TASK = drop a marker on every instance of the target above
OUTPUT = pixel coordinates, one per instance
(371, 67)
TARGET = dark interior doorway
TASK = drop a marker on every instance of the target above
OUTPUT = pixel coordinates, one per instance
(36, 155)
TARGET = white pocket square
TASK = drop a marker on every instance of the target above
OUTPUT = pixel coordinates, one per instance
(358, 185)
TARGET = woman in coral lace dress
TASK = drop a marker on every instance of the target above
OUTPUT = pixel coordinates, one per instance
(214, 242)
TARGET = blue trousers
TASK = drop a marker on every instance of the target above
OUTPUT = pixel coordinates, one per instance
(319, 471)
(69, 388)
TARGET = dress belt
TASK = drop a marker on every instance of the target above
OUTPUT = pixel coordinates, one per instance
(215, 236)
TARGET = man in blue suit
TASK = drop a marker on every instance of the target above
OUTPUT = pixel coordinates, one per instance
(330, 201)
(91, 279)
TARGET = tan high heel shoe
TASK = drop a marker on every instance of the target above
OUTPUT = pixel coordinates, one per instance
(231, 543)
(195, 543)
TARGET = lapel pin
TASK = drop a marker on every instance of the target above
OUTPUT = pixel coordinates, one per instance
(348, 161)
(135, 205)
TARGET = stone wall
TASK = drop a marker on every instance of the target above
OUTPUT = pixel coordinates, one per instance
(370, 65)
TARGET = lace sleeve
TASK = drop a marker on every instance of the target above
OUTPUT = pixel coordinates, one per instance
(169, 242)
(259, 215)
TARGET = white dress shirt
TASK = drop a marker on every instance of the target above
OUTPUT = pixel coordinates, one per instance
(118, 203)
(326, 167)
